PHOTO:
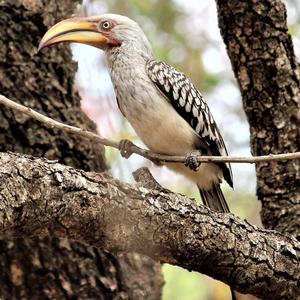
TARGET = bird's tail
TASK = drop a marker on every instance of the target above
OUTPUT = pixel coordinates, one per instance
(215, 200)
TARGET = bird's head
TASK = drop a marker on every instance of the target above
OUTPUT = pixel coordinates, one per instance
(104, 32)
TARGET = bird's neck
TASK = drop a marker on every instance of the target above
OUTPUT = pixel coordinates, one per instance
(128, 54)
(127, 67)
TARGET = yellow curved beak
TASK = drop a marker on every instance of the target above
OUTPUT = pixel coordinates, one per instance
(78, 30)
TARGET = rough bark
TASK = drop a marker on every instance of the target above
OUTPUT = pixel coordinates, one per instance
(42, 82)
(55, 269)
(261, 52)
(168, 227)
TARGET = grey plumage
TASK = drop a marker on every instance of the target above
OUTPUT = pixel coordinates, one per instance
(165, 109)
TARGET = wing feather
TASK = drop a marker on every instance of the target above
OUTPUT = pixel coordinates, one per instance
(189, 104)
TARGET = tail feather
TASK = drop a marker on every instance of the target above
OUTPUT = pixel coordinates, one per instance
(215, 200)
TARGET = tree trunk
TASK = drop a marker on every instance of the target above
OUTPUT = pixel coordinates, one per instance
(55, 268)
(261, 52)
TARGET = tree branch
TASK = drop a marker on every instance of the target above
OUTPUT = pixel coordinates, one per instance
(40, 198)
(135, 149)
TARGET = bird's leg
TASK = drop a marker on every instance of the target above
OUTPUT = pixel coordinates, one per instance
(191, 160)
(125, 147)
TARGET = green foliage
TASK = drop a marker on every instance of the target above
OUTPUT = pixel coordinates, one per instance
(182, 284)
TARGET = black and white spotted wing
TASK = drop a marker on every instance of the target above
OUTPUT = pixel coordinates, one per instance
(189, 103)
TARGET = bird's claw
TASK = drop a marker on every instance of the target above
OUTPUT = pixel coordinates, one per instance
(125, 147)
(191, 160)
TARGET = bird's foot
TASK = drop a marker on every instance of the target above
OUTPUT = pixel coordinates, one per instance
(191, 160)
(125, 147)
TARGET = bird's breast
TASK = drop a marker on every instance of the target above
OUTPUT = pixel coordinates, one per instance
(154, 119)
(157, 123)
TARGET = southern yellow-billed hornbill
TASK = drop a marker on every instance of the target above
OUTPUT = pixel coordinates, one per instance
(165, 109)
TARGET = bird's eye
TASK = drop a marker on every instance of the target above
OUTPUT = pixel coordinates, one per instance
(106, 25)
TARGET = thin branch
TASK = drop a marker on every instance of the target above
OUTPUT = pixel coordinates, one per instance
(112, 215)
(135, 149)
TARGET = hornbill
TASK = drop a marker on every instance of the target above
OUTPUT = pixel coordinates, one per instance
(163, 106)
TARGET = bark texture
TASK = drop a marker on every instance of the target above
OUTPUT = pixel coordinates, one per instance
(165, 226)
(261, 52)
(55, 269)
(44, 82)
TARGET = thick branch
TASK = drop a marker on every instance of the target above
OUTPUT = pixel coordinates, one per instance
(135, 149)
(40, 198)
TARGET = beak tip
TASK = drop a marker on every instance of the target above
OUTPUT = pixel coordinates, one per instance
(41, 46)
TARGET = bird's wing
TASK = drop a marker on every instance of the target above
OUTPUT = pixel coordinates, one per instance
(189, 104)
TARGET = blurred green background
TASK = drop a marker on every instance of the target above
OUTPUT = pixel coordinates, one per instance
(184, 34)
